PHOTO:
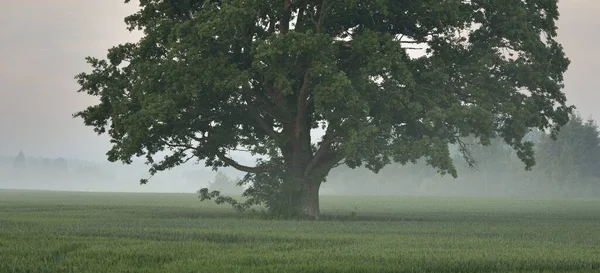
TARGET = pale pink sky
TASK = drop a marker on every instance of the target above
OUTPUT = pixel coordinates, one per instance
(43, 43)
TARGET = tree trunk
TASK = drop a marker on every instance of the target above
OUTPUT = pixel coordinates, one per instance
(305, 172)
(311, 201)
(302, 201)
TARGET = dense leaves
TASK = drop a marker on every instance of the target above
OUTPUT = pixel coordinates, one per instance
(209, 77)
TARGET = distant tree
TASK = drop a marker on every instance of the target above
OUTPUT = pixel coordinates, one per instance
(225, 184)
(574, 157)
(209, 77)
(20, 162)
(61, 163)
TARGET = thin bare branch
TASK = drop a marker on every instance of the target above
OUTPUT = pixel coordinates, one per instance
(466, 153)
(268, 128)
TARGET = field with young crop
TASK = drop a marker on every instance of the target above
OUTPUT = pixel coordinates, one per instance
(126, 232)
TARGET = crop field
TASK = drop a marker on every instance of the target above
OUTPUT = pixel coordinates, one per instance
(126, 232)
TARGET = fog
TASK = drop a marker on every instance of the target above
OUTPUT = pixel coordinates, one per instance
(67, 174)
(42, 48)
(566, 167)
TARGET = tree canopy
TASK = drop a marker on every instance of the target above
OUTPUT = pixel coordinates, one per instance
(209, 77)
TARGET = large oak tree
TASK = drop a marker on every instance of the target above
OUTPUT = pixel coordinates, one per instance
(209, 77)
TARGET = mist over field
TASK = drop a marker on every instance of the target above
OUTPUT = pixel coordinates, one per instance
(566, 167)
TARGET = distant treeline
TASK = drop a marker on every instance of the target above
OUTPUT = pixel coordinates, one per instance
(26, 172)
(567, 167)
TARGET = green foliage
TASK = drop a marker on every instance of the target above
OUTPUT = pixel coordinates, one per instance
(116, 232)
(213, 76)
(567, 166)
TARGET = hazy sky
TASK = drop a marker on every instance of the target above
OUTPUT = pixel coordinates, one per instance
(43, 43)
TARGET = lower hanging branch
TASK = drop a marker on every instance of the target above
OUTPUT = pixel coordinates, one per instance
(204, 194)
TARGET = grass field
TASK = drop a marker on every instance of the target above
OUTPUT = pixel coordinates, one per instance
(124, 232)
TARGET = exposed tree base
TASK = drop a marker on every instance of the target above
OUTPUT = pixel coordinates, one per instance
(301, 203)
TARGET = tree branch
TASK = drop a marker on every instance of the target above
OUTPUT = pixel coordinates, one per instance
(284, 24)
(183, 146)
(271, 101)
(413, 42)
(321, 16)
(268, 128)
(321, 153)
(300, 19)
(413, 48)
(301, 130)
(467, 156)
(221, 155)
(334, 161)
(272, 24)
(230, 162)
(280, 103)
(329, 161)
(303, 97)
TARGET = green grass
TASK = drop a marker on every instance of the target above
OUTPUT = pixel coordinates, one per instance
(124, 232)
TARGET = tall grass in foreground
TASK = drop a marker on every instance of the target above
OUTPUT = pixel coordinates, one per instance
(118, 232)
